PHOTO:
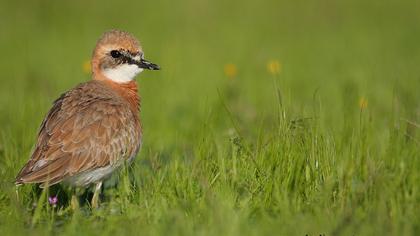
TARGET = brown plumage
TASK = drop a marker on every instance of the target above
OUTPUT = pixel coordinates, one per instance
(94, 128)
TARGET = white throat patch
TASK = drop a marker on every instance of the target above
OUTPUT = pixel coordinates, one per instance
(123, 73)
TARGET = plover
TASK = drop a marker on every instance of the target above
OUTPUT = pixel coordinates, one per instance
(94, 128)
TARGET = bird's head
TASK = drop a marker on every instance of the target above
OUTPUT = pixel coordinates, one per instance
(118, 56)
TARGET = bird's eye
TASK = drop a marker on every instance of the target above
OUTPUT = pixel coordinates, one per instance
(115, 54)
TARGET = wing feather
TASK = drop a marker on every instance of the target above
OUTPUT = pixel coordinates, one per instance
(87, 128)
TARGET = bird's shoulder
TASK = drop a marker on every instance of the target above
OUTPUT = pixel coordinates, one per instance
(91, 92)
(90, 105)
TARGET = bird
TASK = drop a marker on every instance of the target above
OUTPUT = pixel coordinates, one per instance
(94, 128)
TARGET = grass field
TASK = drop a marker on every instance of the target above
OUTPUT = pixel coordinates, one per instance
(268, 117)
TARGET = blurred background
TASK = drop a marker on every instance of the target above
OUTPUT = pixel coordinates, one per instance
(328, 55)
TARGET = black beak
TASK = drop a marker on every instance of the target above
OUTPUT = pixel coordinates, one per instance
(147, 65)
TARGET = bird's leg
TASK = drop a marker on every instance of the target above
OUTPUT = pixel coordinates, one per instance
(17, 192)
(74, 200)
(95, 198)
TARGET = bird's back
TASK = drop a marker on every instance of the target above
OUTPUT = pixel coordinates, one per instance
(90, 128)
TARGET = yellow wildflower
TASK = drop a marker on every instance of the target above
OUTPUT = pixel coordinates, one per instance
(274, 67)
(86, 67)
(230, 70)
(363, 103)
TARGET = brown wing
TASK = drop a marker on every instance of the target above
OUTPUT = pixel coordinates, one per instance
(87, 128)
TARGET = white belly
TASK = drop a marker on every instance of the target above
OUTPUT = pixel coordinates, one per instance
(89, 177)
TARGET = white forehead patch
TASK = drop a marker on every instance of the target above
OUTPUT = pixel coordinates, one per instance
(123, 73)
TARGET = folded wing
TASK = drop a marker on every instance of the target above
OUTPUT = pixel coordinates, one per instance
(85, 129)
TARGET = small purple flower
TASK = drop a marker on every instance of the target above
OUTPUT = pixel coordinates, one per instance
(53, 200)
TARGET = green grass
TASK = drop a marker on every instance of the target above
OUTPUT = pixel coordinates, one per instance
(256, 154)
